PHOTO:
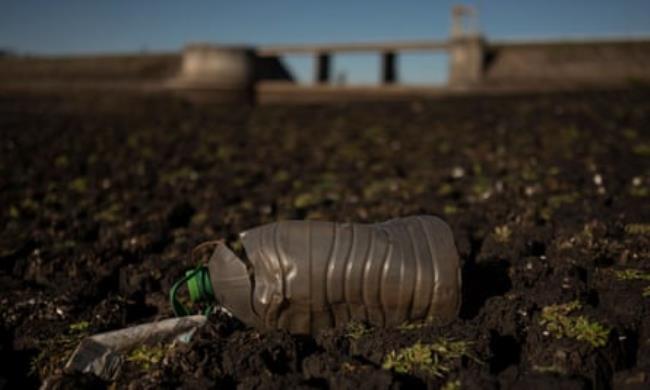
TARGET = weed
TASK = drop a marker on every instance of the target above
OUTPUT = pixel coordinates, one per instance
(79, 185)
(630, 134)
(445, 190)
(146, 356)
(348, 367)
(14, 212)
(61, 161)
(412, 326)
(632, 274)
(177, 175)
(557, 321)
(450, 209)
(482, 187)
(638, 229)
(305, 200)
(433, 360)
(80, 326)
(29, 204)
(111, 214)
(642, 149)
(502, 233)
(571, 134)
(550, 369)
(635, 274)
(36, 362)
(379, 188)
(640, 191)
(355, 330)
(555, 201)
(451, 385)
(408, 326)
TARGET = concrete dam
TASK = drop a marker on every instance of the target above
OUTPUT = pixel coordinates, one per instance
(248, 73)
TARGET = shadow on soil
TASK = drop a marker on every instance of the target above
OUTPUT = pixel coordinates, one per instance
(482, 281)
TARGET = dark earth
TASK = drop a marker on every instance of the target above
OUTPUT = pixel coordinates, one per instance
(102, 198)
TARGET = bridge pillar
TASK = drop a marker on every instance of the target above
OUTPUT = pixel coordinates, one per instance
(466, 60)
(322, 65)
(388, 67)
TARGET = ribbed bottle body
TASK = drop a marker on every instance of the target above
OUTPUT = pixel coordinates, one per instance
(311, 275)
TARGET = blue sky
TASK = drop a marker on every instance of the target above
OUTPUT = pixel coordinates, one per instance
(91, 26)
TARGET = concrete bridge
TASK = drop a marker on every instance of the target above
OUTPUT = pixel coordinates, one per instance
(464, 47)
(220, 72)
(387, 50)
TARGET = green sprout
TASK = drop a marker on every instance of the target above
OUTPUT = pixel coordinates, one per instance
(434, 360)
(14, 212)
(306, 199)
(557, 321)
(635, 274)
(632, 274)
(642, 149)
(80, 326)
(638, 229)
(502, 233)
(450, 209)
(550, 369)
(408, 326)
(146, 356)
(555, 201)
(451, 385)
(355, 330)
(79, 184)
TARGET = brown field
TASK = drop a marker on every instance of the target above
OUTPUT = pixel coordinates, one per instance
(102, 197)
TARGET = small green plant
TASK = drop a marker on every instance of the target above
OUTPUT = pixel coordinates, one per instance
(550, 369)
(36, 362)
(638, 229)
(450, 209)
(407, 326)
(14, 212)
(640, 191)
(642, 149)
(502, 233)
(556, 320)
(177, 175)
(306, 199)
(557, 200)
(445, 189)
(355, 330)
(632, 274)
(80, 326)
(451, 385)
(146, 356)
(110, 214)
(79, 184)
(635, 274)
(433, 359)
(482, 187)
(349, 367)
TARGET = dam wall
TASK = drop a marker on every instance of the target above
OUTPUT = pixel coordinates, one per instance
(475, 64)
(588, 62)
(27, 70)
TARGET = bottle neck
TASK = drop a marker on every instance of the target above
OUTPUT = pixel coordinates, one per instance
(200, 285)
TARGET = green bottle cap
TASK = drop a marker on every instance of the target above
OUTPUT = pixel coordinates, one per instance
(199, 285)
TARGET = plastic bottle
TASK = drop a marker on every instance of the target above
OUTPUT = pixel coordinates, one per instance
(304, 276)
